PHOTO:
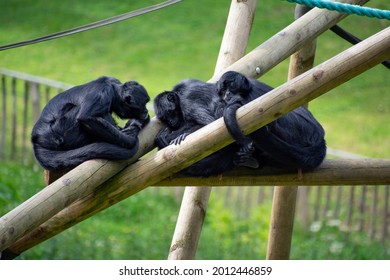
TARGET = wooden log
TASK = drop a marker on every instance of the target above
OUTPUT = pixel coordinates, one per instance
(334, 172)
(282, 223)
(195, 200)
(187, 232)
(284, 200)
(154, 168)
(237, 30)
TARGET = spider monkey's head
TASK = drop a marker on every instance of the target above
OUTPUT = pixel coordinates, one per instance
(167, 109)
(233, 86)
(133, 99)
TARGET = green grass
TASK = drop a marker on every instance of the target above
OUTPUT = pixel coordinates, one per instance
(158, 50)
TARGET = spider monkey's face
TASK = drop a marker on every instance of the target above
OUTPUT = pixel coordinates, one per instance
(133, 102)
(168, 110)
(232, 87)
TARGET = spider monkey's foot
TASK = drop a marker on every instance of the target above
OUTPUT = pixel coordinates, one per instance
(248, 162)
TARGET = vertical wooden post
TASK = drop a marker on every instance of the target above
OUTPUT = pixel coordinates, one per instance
(14, 113)
(351, 207)
(327, 201)
(283, 207)
(317, 204)
(362, 208)
(4, 118)
(282, 222)
(35, 98)
(385, 220)
(303, 206)
(195, 200)
(25, 120)
(338, 204)
(373, 215)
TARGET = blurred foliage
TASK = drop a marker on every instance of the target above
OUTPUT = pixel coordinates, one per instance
(329, 243)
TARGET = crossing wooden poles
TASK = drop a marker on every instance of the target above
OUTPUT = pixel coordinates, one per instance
(195, 200)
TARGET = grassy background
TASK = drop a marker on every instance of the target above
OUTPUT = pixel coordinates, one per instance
(158, 50)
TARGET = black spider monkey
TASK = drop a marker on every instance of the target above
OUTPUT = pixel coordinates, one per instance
(191, 105)
(77, 124)
(293, 141)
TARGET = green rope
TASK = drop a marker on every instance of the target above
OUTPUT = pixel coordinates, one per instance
(345, 8)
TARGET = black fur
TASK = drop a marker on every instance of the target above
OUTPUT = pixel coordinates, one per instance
(295, 140)
(191, 105)
(77, 124)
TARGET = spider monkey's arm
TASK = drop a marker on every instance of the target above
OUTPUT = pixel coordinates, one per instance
(107, 132)
(167, 137)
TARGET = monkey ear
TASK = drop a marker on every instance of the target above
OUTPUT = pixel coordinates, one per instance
(245, 84)
(171, 97)
(218, 88)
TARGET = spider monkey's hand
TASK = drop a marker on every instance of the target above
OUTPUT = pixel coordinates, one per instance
(179, 139)
(132, 127)
(161, 138)
(140, 123)
(244, 156)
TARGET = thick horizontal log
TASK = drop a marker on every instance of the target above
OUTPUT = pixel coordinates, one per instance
(335, 172)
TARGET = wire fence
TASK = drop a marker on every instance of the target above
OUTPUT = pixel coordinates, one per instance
(22, 99)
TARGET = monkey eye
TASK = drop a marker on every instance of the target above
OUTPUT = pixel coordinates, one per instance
(52, 122)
